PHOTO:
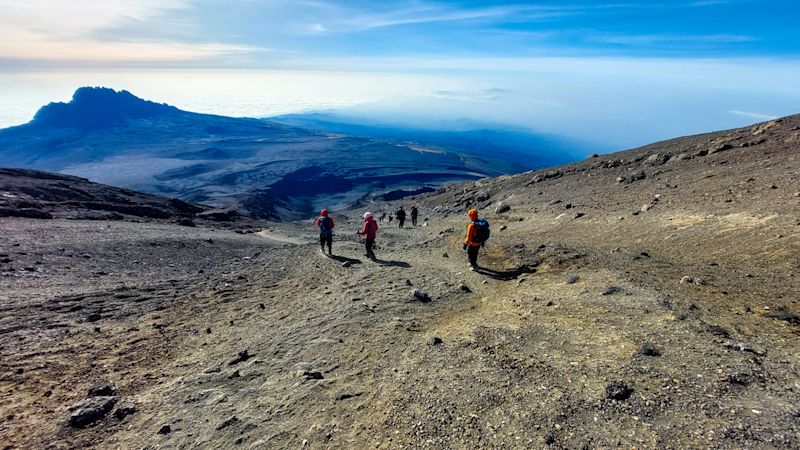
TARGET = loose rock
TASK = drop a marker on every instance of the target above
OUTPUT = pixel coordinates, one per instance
(618, 390)
(103, 390)
(610, 290)
(420, 296)
(648, 349)
(90, 410)
(502, 208)
(124, 409)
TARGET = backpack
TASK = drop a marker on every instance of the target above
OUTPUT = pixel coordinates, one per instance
(482, 231)
(325, 225)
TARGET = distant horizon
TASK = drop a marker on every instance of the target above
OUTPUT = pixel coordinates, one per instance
(254, 93)
(614, 74)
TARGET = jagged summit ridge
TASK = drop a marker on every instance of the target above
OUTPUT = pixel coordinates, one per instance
(98, 107)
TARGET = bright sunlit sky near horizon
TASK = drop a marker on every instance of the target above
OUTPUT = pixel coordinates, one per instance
(614, 74)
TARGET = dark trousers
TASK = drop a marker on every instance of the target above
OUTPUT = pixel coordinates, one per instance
(402, 221)
(413, 221)
(369, 244)
(472, 254)
(326, 239)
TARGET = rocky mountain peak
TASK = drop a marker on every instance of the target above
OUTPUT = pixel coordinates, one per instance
(98, 107)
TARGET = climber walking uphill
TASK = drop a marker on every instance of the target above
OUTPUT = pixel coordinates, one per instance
(477, 235)
(325, 224)
(369, 230)
(414, 215)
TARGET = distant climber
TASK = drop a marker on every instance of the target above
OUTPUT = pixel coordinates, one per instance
(401, 216)
(382, 216)
(414, 215)
(325, 225)
(369, 230)
(477, 235)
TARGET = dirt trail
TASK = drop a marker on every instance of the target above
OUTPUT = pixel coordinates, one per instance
(651, 313)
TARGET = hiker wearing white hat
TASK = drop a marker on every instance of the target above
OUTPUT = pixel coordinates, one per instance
(369, 230)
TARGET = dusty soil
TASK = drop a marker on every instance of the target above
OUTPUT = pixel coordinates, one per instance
(653, 312)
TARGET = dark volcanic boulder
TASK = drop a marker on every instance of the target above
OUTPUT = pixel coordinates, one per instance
(90, 410)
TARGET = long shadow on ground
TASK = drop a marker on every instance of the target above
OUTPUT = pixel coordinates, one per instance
(402, 264)
(344, 259)
(506, 275)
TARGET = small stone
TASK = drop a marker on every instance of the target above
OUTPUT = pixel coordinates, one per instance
(434, 341)
(578, 215)
(409, 283)
(687, 280)
(94, 317)
(445, 255)
(420, 296)
(568, 206)
(648, 349)
(610, 290)
(241, 357)
(503, 227)
(124, 409)
(346, 264)
(312, 375)
(103, 390)
(618, 390)
(165, 429)
(228, 422)
(464, 288)
(572, 279)
(502, 208)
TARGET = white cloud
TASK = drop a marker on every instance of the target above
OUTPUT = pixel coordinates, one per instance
(64, 31)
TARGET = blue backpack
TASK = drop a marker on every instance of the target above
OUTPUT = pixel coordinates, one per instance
(482, 231)
(325, 225)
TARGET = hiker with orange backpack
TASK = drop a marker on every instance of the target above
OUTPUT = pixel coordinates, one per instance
(477, 235)
(325, 224)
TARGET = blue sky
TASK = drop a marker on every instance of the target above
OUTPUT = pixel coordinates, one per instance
(535, 64)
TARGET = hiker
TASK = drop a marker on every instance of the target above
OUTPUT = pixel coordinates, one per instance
(382, 216)
(414, 214)
(325, 225)
(477, 234)
(401, 216)
(369, 230)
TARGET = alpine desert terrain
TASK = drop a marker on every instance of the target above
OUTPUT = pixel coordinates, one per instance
(642, 299)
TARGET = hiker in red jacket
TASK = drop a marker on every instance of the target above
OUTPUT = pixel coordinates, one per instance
(369, 230)
(325, 225)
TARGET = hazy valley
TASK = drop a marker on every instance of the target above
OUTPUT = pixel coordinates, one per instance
(270, 169)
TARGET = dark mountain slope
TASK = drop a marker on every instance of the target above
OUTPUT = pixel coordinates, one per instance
(118, 139)
(37, 194)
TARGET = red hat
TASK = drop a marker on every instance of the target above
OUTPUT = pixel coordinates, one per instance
(324, 212)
